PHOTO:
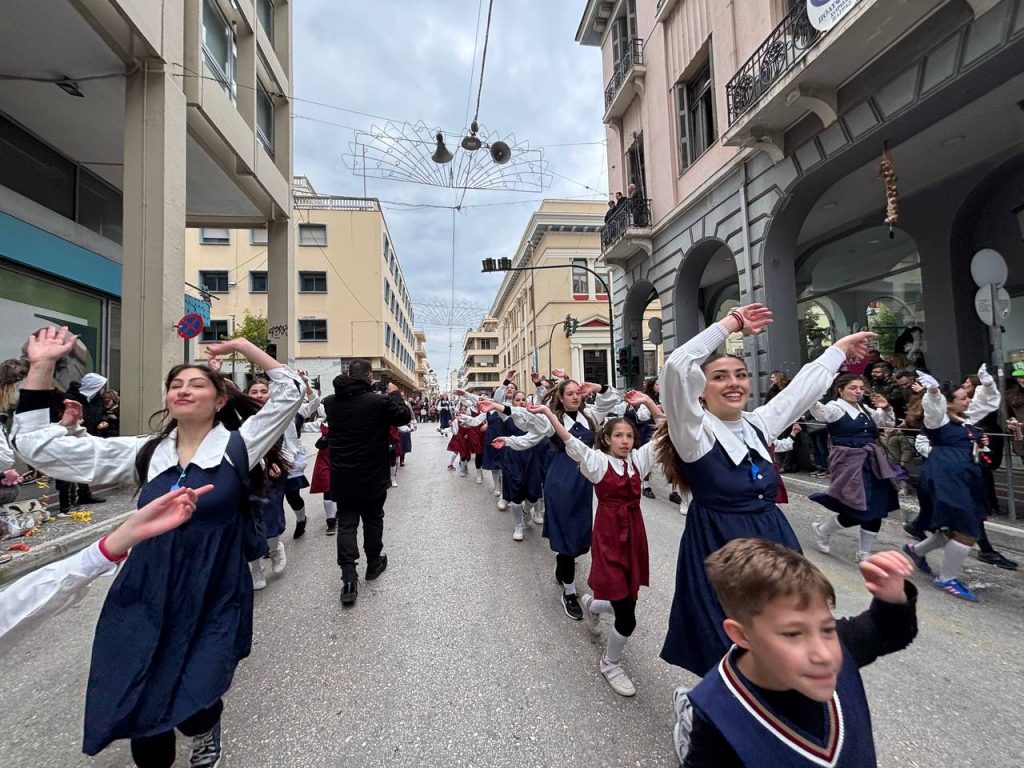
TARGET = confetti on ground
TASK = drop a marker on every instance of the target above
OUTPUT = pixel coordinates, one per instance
(82, 517)
(19, 548)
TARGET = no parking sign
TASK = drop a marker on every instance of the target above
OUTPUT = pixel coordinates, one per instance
(190, 326)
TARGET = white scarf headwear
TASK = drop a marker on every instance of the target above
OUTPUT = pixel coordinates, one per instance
(91, 384)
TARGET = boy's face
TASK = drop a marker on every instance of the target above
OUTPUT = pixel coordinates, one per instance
(791, 648)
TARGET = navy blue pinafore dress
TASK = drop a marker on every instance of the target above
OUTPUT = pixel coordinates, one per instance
(568, 499)
(951, 486)
(520, 470)
(495, 428)
(177, 619)
(729, 502)
(880, 494)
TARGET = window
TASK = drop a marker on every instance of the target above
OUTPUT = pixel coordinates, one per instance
(218, 236)
(265, 118)
(598, 287)
(219, 51)
(312, 330)
(265, 13)
(99, 206)
(579, 277)
(257, 282)
(258, 236)
(215, 330)
(214, 281)
(695, 120)
(313, 234)
(312, 282)
(32, 169)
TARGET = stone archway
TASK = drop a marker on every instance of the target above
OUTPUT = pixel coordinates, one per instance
(693, 274)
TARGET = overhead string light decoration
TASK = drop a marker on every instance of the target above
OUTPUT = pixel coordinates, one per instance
(411, 152)
(887, 170)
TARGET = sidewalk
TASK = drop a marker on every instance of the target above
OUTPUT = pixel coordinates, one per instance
(61, 537)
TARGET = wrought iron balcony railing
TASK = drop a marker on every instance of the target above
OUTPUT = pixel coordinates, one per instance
(631, 212)
(783, 48)
(634, 55)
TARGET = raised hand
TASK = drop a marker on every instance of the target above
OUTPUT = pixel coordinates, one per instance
(72, 415)
(635, 397)
(498, 443)
(510, 375)
(48, 345)
(558, 373)
(855, 346)
(10, 477)
(538, 408)
(884, 574)
(163, 514)
(459, 392)
(588, 388)
(984, 376)
(214, 362)
(535, 377)
(879, 401)
(486, 405)
(927, 381)
(751, 319)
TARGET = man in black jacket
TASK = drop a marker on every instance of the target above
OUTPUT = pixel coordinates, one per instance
(360, 422)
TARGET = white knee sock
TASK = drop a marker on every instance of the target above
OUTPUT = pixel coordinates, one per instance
(616, 643)
(394, 472)
(830, 526)
(867, 540)
(517, 515)
(330, 509)
(645, 484)
(936, 541)
(496, 478)
(953, 557)
(570, 588)
(300, 513)
(451, 458)
(272, 543)
(601, 606)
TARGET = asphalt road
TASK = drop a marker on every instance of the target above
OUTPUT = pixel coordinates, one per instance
(460, 655)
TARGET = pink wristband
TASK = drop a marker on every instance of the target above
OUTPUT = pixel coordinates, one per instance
(106, 553)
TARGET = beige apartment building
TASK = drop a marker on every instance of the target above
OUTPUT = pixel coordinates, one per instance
(122, 122)
(480, 372)
(351, 299)
(563, 237)
(754, 133)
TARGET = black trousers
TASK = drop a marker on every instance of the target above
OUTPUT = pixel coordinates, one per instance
(350, 512)
(158, 751)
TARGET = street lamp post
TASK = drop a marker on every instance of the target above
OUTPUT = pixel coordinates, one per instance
(505, 265)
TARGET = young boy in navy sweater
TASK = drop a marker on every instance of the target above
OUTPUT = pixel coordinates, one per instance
(788, 693)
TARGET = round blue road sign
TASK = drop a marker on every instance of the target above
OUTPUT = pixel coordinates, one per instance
(190, 326)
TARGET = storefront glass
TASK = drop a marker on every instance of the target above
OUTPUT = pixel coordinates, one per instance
(863, 281)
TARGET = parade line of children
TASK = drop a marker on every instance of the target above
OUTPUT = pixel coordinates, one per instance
(750, 616)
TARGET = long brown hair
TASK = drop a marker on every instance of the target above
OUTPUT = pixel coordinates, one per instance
(554, 401)
(238, 408)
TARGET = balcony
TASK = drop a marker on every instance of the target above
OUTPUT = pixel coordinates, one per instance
(799, 69)
(626, 232)
(626, 82)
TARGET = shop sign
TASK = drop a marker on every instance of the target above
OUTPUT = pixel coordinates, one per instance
(825, 14)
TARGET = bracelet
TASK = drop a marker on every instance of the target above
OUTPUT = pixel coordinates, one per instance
(739, 318)
(106, 553)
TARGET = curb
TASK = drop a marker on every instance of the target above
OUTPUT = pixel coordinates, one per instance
(59, 548)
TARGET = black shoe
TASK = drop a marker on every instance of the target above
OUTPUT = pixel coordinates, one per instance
(914, 532)
(90, 500)
(300, 528)
(996, 559)
(332, 526)
(373, 573)
(571, 604)
(648, 493)
(675, 498)
(349, 592)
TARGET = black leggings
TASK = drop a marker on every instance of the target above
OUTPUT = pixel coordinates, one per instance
(158, 751)
(848, 521)
(625, 615)
(295, 499)
(565, 566)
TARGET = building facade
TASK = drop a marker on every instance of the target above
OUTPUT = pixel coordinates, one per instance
(563, 239)
(122, 123)
(480, 372)
(351, 299)
(755, 140)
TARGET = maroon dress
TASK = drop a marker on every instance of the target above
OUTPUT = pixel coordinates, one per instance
(619, 561)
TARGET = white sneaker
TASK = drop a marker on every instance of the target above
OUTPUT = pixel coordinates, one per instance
(684, 722)
(502, 505)
(259, 578)
(497, 492)
(479, 479)
(517, 534)
(463, 470)
(394, 483)
(538, 514)
(279, 558)
(617, 677)
(591, 619)
(684, 508)
(862, 556)
(820, 539)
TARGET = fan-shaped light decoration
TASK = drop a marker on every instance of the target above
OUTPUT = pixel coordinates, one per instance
(446, 314)
(403, 152)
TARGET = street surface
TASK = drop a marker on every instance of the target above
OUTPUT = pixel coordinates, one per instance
(460, 654)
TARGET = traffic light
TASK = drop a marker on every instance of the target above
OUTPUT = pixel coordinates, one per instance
(570, 325)
(622, 363)
(634, 366)
(272, 350)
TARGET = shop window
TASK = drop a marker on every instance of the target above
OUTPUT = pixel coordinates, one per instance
(258, 236)
(695, 116)
(215, 330)
(312, 330)
(313, 234)
(219, 52)
(312, 282)
(258, 282)
(215, 281)
(215, 236)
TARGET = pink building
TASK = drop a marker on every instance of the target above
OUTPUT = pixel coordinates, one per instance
(753, 133)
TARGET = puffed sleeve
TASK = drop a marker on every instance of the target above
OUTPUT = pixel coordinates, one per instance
(261, 431)
(936, 412)
(682, 383)
(593, 464)
(827, 412)
(987, 398)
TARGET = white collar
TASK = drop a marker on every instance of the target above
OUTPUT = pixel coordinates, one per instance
(736, 450)
(622, 466)
(208, 455)
(568, 421)
(850, 409)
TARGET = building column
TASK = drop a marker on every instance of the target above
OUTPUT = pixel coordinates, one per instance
(281, 289)
(152, 292)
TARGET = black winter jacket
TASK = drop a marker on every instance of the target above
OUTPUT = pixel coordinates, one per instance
(360, 422)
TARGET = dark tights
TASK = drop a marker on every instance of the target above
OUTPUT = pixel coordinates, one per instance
(295, 499)
(848, 521)
(158, 751)
(625, 616)
(565, 568)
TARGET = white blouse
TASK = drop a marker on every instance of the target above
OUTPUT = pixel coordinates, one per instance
(694, 431)
(594, 464)
(538, 427)
(83, 458)
(987, 398)
(6, 453)
(834, 411)
(291, 445)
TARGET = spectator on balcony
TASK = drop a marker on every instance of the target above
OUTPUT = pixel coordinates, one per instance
(638, 206)
(610, 212)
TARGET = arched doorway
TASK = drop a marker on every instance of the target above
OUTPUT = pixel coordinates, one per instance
(707, 286)
(641, 332)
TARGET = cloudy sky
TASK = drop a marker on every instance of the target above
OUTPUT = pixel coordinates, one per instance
(413, 60)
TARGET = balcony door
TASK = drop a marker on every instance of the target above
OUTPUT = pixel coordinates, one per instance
(635, 166)
(623, 32)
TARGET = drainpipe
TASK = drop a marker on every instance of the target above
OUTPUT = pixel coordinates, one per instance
(748, 285)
